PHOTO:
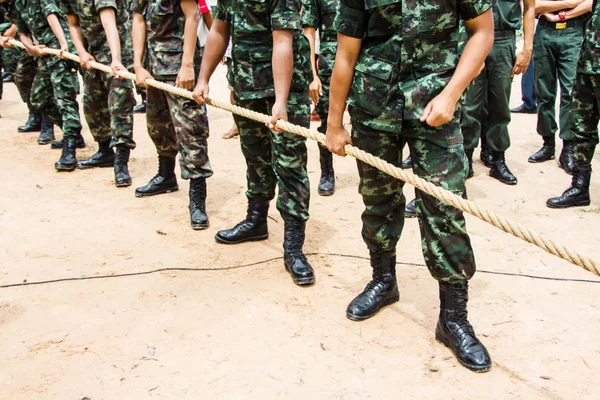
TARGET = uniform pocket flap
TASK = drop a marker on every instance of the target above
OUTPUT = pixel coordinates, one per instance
(369, 4)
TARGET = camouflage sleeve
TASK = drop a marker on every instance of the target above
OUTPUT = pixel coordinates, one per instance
(310, 14)
(285, 15)
(50, 7)
(352, 18)
(469, 9)
(66, 8)
(100, 4)
(221, 13)
(21, 25)
(138, 6)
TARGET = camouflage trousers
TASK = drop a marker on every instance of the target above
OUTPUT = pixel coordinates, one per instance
(11, 58)
(54, 93)
(585, 116)
(274, 158)
(441, 160)
(108, 108)
(179, 124)
(27, 68)
(322, 107)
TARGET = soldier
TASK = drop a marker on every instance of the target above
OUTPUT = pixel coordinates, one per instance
(44, 20)
(320, 14)
(100, 32)
(493, 87)
(585, 116)
(174, 57)
(270, 73)
(556, 50)
(398, 66)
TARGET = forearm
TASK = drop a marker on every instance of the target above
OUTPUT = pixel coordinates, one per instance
(282, 64)
(190, 37)
(341, 79)
(76, 34)
(208, 19)
(546, 6)
(214, 50)
(10, 32)
(528, 24)
(26, 40)
(138, 34)
(57, 29)
(109, 23)
(581, 9)
(310, 34)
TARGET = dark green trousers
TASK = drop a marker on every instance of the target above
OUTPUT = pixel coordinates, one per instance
(486, 111)
(555, 54)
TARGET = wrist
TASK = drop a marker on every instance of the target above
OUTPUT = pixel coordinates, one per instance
(187, 64)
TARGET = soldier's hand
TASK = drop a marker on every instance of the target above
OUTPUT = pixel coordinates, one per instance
(551, 17)
(185, 78)
(279, 112)
(522, 62)
(337, 138)
(316, 90)
(141, 74)
(85, 60)
(4, 42)
(117, 67)
(36, 50)
(439, 111)
(201, 92)
(63, 49)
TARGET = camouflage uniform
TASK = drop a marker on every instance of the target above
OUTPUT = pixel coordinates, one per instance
(272, 158)
(107, 101)
(409, 53)
(55, 87)
(173, 122)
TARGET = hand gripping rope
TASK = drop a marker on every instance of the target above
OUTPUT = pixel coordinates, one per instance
(439, 193)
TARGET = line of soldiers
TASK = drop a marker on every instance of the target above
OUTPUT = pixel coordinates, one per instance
(401, 67)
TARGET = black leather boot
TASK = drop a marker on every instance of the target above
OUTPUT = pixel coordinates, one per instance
(327, 182)
(104, 157)
(79, 143)
(469, 153)
(579, 192)
(122, 177)
(198, 217)
(409, 209)
(33, 124)
(140, 108)
(407, 164)
(293, 258)
(7, 77)
(68, 159)
(546, 152)
(454, 330)
(500, 170)
(253, 228)
(566, 159)
(380, 292)
(485, 155)
(163, 182)
(46, 131)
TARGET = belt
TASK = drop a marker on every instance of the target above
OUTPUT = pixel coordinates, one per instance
(571, 23)
(504, 34)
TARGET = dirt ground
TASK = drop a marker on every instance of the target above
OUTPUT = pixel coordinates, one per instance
(250, 332)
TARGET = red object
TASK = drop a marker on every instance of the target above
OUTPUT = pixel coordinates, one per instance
(203, 6)
(562, 15)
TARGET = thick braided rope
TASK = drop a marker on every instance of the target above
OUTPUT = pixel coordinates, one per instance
(439, 193)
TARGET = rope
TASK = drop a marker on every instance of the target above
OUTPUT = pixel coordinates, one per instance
(439, 193)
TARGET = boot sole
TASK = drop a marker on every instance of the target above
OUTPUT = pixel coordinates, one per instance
(325, 194)
(502, 181)
(164, 191)
(80, 166)
(126, 184)
(540, 161)
(29, 130)
(388, 302)
(580, 203)
(250, 239)
(65, 169)
(301, 281)
(475, 368)
(198, 227)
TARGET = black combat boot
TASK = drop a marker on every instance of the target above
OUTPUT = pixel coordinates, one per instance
(409, 209)
(454, 330)
(79, 143)
(546, 152)
(327, 182)
(68, 159)
(500, 170)
(33, 124)
(163, 182)
(46, 131)
(198, 217)
(293, 258)
(7, 77)
(380, 292)
(566, 159)
(140, 108)
(579, 192)
(486, 156)
(104, 157)
(122, 177)
(407, 164)
(469, 153)
(253, 228)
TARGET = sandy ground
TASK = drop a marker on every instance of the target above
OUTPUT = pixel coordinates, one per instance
(251, 333)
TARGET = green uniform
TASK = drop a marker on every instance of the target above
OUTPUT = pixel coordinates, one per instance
(272, 158)
(174, 123)
(556, 48)
(409, 52)
(107, 101)
(585, 114)
(486, 111)
(55, 87)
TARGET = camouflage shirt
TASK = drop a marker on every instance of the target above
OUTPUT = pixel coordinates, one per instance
(165, 24)
(320, 14)
(589, 61)
(251, 25)
(9, 11)
(507, 15)
(409, 52)
(33, 20)
(88, 12)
